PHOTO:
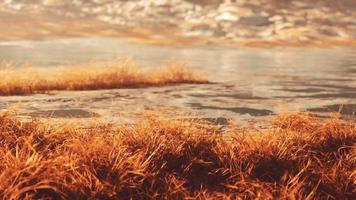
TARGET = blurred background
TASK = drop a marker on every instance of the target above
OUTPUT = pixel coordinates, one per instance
(236, 20)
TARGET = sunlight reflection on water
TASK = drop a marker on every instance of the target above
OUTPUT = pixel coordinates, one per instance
(250, 79)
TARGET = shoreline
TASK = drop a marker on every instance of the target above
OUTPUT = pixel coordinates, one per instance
(201, 41)
(146, 38)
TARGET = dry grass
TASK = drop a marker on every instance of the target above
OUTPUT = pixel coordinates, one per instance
(301, 157)
(123, 74)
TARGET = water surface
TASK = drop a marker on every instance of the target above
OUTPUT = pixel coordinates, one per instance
(250, 82)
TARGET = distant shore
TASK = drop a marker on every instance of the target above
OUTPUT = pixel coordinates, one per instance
(16, 28)
(294, 23)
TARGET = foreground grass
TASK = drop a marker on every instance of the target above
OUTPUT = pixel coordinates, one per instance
(123, 74)
(300, 158)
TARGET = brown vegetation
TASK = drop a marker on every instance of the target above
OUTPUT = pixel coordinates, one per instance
(301, 157)
(29, 80)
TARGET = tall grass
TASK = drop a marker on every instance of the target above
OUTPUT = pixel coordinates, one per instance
(123, 74)
(301, 157)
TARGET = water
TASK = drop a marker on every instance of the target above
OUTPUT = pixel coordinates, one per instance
(250, 82)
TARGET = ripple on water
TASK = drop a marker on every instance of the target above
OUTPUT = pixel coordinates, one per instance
(240, 110)
(343, 109)
(65, 113)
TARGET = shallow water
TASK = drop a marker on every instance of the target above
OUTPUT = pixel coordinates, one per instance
(250, 82)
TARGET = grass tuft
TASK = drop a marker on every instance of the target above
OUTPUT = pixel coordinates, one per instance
(301, 157)
(123, 74)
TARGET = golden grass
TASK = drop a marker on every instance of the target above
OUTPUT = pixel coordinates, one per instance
(123, 74)
(301, 157)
